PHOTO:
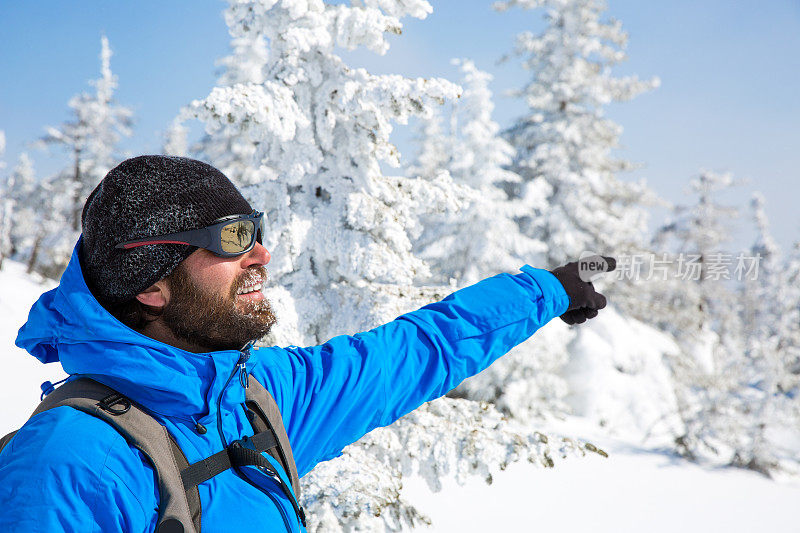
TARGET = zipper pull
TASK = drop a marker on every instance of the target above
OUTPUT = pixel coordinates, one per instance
(242, 364)
(243, 375)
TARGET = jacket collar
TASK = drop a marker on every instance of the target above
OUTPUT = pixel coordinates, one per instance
(68, 325)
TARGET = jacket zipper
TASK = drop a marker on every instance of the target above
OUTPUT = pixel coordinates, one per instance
(241, 368)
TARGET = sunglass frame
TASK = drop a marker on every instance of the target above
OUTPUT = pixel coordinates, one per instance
(208, 237)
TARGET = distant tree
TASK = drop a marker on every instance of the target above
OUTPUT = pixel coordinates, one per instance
(771, 316)
(92, 136)
(481, 239)
(728, 373)
(176, 139)
(17, 208)
(563, 145)
(91, 139)
(6, 207)
(232, 150)
(789, 327)
(51, 239)
(695, 299)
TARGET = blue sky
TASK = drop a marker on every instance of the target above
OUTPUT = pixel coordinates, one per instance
(728, 101)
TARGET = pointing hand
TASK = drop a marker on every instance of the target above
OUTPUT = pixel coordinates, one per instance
(584, 301)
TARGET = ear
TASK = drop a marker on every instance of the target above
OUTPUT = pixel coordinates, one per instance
(157, 295)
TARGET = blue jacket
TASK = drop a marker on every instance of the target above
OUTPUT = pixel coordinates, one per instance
(67, 471)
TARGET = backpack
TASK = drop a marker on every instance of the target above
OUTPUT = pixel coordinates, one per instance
(179, 506)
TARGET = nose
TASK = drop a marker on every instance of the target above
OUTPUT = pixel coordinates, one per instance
(257, 256)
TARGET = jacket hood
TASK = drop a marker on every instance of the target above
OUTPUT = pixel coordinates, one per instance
(68, 325)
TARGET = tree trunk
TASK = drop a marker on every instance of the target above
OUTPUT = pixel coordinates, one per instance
(76, 194)
(35, 252)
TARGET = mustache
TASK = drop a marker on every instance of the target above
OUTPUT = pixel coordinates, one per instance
(255, 274)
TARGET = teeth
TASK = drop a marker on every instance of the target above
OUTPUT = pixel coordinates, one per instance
(249, 288)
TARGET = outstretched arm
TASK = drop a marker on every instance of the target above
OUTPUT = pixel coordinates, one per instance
(332, 394)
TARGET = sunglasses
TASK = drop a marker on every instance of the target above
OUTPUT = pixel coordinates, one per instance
(226, 237)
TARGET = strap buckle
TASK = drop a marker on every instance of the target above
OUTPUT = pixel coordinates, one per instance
(110, 402)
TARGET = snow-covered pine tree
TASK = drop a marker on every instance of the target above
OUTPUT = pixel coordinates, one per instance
(563, 144)
(789, 339)
(789, 327)
(91, 140)
(483, 239)
(693, 238)
(17, 209)
(446, 437)
(176, 140)
(6, 206)
(339, 229)
(761, 297)
(770, 315)
(699, 307)
(231, 150)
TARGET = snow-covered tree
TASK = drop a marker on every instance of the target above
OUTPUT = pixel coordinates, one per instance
(695, 298)
(91, 139)
(232, 150)
(17, 208)
(771, 328)
(482, 238)
(789, 327)
(723, 398)
(6, 207)
(51, 240)
(760, 295)
(92, 135)
(445, 437)
(339, 229)
(564, 143)
(176, 139)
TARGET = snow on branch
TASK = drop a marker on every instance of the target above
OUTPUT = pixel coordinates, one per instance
(361, 490)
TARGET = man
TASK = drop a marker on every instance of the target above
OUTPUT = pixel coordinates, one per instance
(168, 325)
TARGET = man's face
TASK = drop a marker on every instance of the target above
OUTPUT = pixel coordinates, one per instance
(216, 302)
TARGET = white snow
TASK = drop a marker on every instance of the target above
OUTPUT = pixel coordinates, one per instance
(633, 490)
(618, 376)
(20, 373)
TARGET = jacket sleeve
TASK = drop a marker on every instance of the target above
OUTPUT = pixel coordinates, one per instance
(73, 472)
(332, 394)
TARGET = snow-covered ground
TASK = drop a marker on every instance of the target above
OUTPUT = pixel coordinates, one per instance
(635, 489)
(20, 373)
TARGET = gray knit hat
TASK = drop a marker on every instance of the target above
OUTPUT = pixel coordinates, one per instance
(147, 196)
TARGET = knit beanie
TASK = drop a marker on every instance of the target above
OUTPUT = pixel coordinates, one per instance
(142, 197)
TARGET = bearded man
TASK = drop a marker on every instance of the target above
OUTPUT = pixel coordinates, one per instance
(161, 303)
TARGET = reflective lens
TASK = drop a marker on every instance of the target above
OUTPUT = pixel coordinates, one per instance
(237, 236)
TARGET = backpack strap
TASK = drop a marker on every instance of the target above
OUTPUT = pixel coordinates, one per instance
(179, 506)
(267, 418)
(5, 440)
(178, 510)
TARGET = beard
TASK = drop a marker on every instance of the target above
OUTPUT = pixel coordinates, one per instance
(214, 322)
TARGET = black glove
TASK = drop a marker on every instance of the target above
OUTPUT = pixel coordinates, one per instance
(584, 301)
